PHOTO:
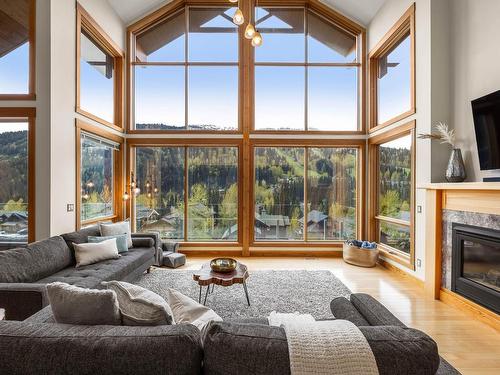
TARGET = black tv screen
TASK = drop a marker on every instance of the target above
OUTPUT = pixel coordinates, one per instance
(486, 112)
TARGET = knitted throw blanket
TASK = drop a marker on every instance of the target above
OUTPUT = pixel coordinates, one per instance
(332, 347)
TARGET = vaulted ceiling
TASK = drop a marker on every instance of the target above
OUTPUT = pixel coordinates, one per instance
(362, 11)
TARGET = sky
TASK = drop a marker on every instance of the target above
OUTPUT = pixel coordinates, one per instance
(6, 127)
(14, 68)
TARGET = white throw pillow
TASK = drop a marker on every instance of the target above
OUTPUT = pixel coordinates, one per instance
(114, 229)
(89, 253)
(140, 306)
(74, 305)
(187, 310)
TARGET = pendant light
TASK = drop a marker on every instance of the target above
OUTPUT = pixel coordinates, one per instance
(250, 29)
(238, 17)
(257, 38)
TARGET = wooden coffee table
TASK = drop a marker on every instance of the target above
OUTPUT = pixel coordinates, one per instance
(206, 277)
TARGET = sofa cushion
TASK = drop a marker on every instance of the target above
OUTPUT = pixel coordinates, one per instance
(90, 253)
(34, 348)
(34, 262)
(73, 305)
(113, 229)
(114, 269)
(140, 306)
(246, 349)
(80, 236)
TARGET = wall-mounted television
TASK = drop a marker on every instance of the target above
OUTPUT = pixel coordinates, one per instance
(486, 112)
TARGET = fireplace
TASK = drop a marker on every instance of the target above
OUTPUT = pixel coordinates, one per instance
(476, 264)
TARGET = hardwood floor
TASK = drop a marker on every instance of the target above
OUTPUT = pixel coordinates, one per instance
(470, 345)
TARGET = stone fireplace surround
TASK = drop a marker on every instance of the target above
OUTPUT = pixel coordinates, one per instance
(477, 219)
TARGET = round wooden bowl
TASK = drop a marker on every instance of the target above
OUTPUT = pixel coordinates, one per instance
(223, 265)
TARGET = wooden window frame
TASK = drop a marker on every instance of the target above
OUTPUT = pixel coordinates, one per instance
(133, 143)
(31, 95)
(407, 260)
(405, 25)
(29, 114)
(307, 144)
(85, 22)
(117, 174)
(246, 64)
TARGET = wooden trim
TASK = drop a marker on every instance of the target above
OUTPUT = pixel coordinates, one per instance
(462, 186)
(118, 188)
(84, 21)
(29, 114)
(401, 272)
(303, 252)
(405, 25)
(470, 308)
(31, 95)
(374, 218)
(484, 201)
(433, 238)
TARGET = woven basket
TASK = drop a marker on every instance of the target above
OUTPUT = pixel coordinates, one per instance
(360, 257)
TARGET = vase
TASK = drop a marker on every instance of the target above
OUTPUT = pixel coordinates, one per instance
(455, 172)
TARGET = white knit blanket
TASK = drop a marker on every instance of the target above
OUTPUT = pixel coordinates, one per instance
(332, 347)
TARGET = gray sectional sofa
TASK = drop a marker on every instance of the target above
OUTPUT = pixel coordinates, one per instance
(24, 272)
(244, 347)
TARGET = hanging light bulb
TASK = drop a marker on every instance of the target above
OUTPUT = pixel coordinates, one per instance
(257, 39)
(238, 17)
(148, 184)
(233, 1)
(136, 191)
(249, 31)
(125, 196)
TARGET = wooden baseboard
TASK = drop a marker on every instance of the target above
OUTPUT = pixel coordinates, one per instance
(401, 272)
(296, 253)
(477, 311)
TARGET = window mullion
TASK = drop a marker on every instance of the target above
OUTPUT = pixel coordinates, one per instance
(186, 193)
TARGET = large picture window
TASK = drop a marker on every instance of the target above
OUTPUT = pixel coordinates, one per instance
(197, 183)
(305, 194)
(392, 179)
(17, 187)
(17, 49)
(99, 72)
(392, 74)
(99, 175)
(306, 73)
(187, 80)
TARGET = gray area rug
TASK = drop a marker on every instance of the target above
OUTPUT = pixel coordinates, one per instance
(308, 292)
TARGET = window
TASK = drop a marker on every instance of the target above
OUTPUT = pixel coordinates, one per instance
(392, 180)
(17, 187)
(324, 178)
(306, 73)
(228, 148)
(187, 81)
(99, 172)
(17, 50)
(392, 70)
(200, 183)
(99, 73)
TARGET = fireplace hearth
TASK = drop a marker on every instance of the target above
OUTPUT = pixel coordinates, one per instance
(476, 264)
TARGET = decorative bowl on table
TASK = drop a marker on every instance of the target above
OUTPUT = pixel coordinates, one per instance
(223, 265)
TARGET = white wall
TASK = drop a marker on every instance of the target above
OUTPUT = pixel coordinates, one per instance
(385, 18)
(475, 71)
(62, 101)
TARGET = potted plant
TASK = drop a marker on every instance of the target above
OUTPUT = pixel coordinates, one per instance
(455, 171)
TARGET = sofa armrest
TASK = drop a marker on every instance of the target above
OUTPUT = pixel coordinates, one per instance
(342, 308)
(373, 311)
(157, 245)
(21, 300)
(143, 242)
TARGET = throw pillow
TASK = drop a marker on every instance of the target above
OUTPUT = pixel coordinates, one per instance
(121, 241)
(74, 305)
(113, 229)
(140, 306)
(89, 253)
(187, 310)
